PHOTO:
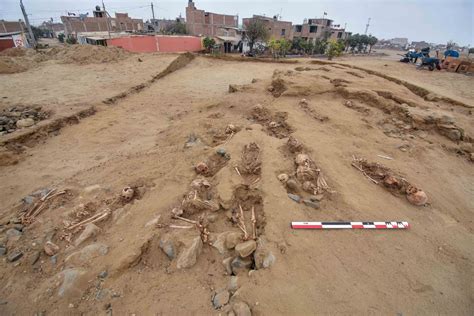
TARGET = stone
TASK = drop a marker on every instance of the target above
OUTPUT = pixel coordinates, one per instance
(292, 185)
(310, 203)
(25, 123)
(87, 253)
(220, 243)
(54, 259)
(221, 151)
(227, 265)
(220, 299)
(189, 256)
(246, 248)
(233, 285)
(294, 197)
(35, 257)
(15, 255)
(212, 218)
(28, 199)
(69, 278)
(232, 239)
(12, 232)
(446, 119)
(103, 274)
(239, 265)
(233, 88)
(262, 256)
(19, 227)
(454, 134)
(316, 198)
(168, 247)
(241, 309)
(50, 248)
(3, 251)
(90, 231)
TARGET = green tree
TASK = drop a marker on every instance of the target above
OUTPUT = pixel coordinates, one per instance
(320, 46)
(255, 31)
(285, 46)
(363, 42)
(334, 49)
(208, 43)
(307, 47)
(37, 32)
(352, 41)
(297, 45)
(372, 41)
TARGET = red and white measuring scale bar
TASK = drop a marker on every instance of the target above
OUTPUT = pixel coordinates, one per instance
(350, 225)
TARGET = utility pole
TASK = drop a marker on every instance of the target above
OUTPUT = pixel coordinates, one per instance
(152, 11)
(30, 31)
(107, 19)
(367, 26)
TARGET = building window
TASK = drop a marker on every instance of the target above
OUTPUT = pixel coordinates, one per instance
(283, 31)
(313, 29)
(298, 28)
(339, 35)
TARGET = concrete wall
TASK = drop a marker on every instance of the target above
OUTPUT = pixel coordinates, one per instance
(158, 43)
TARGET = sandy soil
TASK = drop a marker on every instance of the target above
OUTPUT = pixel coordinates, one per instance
(140, 142)
(453, 85)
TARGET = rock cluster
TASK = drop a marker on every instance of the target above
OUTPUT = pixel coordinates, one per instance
(20, 117)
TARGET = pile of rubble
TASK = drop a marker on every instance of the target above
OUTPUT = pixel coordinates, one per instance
(14, 118)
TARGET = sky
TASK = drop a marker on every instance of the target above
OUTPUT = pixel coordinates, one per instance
(435, 21)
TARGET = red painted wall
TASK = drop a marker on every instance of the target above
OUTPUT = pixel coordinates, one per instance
(137, 44)
(173, 44)
(159, 43)
(6, 43)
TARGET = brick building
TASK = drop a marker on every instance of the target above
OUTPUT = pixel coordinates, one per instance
(202, 23)
(277, 29)
(313, 29)
(12, 26)
(101, 23)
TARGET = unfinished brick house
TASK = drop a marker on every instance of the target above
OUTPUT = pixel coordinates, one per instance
(101, 23)
(278, 29)
(202, 23)
(12, 26)
(313, 29)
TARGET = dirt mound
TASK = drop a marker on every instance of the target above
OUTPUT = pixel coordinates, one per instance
(8, 66)
(86, 54)
(18, 60)
(14, 52)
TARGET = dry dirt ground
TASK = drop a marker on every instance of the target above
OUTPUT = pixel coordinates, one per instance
(141, 259)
